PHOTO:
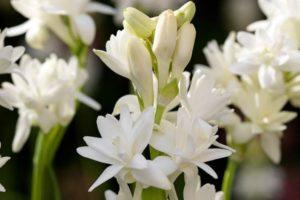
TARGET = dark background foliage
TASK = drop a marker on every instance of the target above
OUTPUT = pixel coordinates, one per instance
(214, 20)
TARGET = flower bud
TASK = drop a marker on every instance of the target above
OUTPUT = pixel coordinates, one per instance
(37, 37)
(186, 13)
(140, 64)
(184, 49)
(164, 44)
(138, 23)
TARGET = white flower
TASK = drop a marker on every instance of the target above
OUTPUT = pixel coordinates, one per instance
(189, 141)
(268, 55)
(49, 13)
(282, 16)
(46, 97)
(265, 118)
(220, 60)
(202, 99)
(127, 56)
(121, 146)
(148, 6)
(3, 160)
(194, 191)
(8, 57)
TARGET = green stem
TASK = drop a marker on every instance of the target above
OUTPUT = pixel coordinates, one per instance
(46, 147)
(229, 178)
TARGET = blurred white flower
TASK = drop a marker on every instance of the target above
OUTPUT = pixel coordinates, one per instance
(194, 191)
(8, 57)
(202, 99)
(189, 141)
(147, 6)
(127, 56)
(122, 144)
(282, 16)
(50, 14)
(259, 182)
(47, 95)
(268, 55)
(3, 160)
(265, 119)
(220, 60)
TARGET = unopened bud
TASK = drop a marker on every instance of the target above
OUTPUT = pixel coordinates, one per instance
(138, 23)
(184, 49)
(37, 37)
(186, 13)
(140, 64)
(164, 44)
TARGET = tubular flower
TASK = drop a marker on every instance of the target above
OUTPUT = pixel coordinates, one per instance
(265, 119)
(121, 145)
(49, 14)
(189, 142)
(3, 160)
(46, 97)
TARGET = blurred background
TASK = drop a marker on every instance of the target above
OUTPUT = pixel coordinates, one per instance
(257, 178)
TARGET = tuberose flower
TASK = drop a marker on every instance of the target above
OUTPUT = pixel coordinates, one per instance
(43, 15)
(121, 145)
(47, 95)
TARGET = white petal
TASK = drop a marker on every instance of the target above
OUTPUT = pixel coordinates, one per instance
(246, 39)
(142, 130)
(152, 176)
(207, 169)
(110, 195)
(92, 154)
(242, 133)
(213, 154)
(271, 145)
(108, 126)
(2, 189)
(3, 160)
(166, 164)
(113, 63)
(107, 174)
(138, 162)
(207, 191)
(242, 68)
(88, 101)
(85, 28)
(22, 132)
(100, 8)
(267, 76)
(131, 101)
(20, 29)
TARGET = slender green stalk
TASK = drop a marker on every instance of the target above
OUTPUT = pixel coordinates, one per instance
(46, 147)
(228, 178)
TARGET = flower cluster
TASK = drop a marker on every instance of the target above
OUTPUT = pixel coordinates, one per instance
(69, 20)
(44, 95)
(173, 116)
(260, 69)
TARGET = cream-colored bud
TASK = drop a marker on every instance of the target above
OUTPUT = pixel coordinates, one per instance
(164, 44)
(140, 64)
(186, 13)
(138, 23)
(184, 49)
(37, 37)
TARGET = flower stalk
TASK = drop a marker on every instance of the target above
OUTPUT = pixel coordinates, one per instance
(228, 178)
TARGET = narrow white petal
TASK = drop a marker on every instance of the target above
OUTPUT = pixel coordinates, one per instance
(100, 8)
(2, 189)
(85, 28)
(3, 160)
(166, 164)
(110, 195)
(107, 174)
(138, 162)
(207, 169)
(152, 176)
(213, 154)
(20, 29)
(92, 154)
(270, 143)
(22, 132)
(88, 101)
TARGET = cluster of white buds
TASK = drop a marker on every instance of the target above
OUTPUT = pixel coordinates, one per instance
(261, 71)
(175, 117)
(69, 20)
